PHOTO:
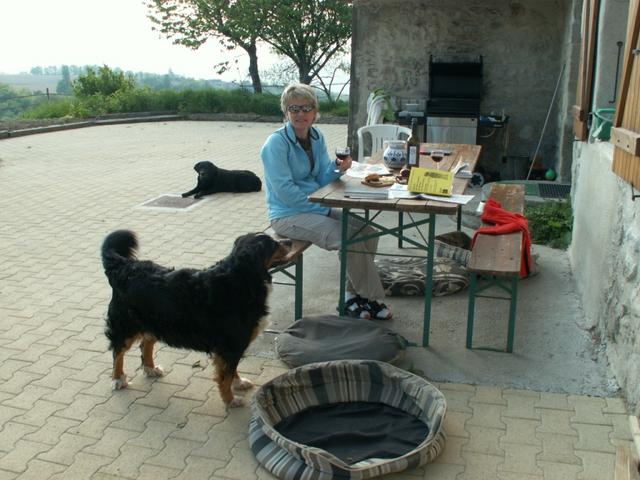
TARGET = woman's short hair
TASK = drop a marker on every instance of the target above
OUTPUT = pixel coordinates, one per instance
(297, 90)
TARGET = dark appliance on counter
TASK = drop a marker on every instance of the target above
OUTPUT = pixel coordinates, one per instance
(453, 106)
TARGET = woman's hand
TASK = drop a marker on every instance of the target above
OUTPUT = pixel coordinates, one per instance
(344, 165)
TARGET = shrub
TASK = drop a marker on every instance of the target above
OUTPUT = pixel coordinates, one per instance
(104, 82)
(550, 223)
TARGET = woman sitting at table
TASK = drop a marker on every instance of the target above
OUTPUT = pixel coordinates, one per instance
(296, 164)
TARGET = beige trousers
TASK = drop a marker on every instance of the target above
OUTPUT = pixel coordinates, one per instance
(326, 232)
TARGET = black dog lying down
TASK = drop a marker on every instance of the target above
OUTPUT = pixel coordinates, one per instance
(212, 179)
(217, 311)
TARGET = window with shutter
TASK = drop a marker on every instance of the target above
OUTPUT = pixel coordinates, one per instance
(625, 134)
(590, 11)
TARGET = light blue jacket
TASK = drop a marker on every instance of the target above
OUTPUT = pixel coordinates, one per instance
(288, 176)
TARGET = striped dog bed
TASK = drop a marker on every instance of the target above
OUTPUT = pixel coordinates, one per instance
(365, 419)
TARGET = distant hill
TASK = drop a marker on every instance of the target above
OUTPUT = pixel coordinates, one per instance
(40, 82)
(33, 83)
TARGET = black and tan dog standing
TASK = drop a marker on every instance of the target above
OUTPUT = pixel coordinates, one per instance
(219, 310)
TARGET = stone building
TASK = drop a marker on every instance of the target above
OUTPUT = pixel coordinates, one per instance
(544, 64)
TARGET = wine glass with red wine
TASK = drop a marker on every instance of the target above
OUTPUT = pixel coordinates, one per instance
(437, 156)
(342, 153)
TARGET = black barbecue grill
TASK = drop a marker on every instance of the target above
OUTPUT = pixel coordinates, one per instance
(453, 106)
(455, 88)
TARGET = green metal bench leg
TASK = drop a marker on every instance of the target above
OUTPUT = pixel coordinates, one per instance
(400, 223)
(428, 285)
(473, 282)
(298, 288)
(343, 260)
(512, 313)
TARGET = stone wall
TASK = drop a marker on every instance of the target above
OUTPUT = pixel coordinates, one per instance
(604, 258)
(523, 45)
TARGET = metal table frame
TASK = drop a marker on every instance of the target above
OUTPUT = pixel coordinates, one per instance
(332, 196)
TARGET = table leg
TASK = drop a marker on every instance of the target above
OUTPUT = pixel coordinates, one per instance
(428, 284)
(459, 218)
(343, 259)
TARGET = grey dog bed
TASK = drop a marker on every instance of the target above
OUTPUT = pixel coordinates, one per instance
(323, 338)
(348, 419)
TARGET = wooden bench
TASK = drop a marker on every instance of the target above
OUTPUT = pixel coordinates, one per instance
(497, 258)
(292, 269)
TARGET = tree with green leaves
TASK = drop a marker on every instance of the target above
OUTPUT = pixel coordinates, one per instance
(192, 22)
(308, 32)
(64, 86)
(102, 82)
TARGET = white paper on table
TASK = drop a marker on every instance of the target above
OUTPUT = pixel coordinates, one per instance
(401, 191)
(361, 170)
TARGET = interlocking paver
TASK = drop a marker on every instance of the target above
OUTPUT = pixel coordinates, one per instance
(555, 401)
(66, 449)
(557, 448)
(154, 472)
(521, 430)
(11, 433)
(39, 469)
(452, 454)
(484, 439)
(196, 428)
(128, 462)
(52, 430)
(589, 410)
(199, 467)
(594, 437)
(454, 424)
(487, 415)
(596, 465)
(59, 417)
(136, 418)
(219, 444)
(40, 412)
(556, 421)
(154, 435)
(112, 443)
(520, 459)
(560, 471)
(23, 452)
(243, 464)
(520, 405)
(83, 466)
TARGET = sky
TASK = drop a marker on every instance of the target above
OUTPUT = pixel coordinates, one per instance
(115, 33)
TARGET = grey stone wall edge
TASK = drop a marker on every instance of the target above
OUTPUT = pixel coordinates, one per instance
(32, 127)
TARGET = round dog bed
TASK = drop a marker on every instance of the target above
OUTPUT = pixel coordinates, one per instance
(322, 338)
(350, 419)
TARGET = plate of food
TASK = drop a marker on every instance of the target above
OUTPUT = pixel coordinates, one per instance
(376, 180)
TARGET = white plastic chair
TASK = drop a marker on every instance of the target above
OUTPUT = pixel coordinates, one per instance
(379, 134)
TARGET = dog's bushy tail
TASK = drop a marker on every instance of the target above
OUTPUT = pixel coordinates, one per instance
(118, 247)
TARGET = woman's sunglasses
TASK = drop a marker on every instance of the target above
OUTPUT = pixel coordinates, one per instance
(300, 108)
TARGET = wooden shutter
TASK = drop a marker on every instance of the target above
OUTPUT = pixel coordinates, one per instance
(625, 134)
(590, 11)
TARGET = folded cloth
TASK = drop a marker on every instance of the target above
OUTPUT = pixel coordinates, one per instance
(505, 221)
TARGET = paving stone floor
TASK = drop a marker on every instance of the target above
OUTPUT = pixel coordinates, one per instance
(62, 192)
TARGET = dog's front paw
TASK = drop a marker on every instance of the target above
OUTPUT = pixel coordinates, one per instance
(241, 383)
(236, 402)
(119, 383)
(156, 371)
